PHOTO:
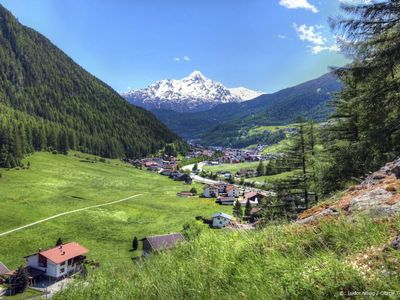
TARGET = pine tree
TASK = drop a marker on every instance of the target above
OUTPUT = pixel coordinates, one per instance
(20, 280)
(268, 168)
(247, 208)
(260, 168)
(237, 210)
(299, 156)
(63, 146)
(135, 243)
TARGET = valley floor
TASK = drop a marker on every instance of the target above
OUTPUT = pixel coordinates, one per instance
(55, 184)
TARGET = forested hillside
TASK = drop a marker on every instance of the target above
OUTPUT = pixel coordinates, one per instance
(47, 101)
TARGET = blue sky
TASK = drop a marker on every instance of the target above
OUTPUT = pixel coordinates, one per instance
(265, 45)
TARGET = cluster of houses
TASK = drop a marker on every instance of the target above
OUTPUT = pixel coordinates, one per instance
(166, 165)
(228, 194)
(226, 155)
(157, 164)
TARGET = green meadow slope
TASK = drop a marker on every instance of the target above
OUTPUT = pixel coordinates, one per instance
(57, 183)
(325, 261)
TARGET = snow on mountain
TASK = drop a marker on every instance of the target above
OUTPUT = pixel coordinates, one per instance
(192, 93)
(245, 93)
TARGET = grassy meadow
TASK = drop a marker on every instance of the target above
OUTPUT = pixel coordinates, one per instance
(329, 260)
(233, 168)
(271, 178)
(57, 183)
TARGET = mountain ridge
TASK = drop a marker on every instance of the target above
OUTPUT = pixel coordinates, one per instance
(192, 93)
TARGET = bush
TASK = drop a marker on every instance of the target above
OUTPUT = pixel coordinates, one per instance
(192, 230)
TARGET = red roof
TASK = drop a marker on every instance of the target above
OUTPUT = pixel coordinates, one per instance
(150, 164)
(250, 194)
(253, 194)
(64, 252)
(230, 187)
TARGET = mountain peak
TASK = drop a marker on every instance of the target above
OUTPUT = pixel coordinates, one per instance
(196, 75)
(193, 93)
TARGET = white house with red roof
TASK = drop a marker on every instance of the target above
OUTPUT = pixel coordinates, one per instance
(211, 191)
(59, 261)
(232, 191)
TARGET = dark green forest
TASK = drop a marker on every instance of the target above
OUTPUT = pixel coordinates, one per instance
(48, 102)
(364, 132)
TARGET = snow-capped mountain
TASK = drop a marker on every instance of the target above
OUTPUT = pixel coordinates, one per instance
(244, 93)
(192, 93)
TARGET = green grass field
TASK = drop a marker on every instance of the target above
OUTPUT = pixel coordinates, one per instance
(28, 294)
(271, 178)
(233, 168)
(272, 128)
(58, 183)
(329, 260)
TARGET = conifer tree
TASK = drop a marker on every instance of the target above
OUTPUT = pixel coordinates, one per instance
(20, 280)
(237, 210)
(247, 208)
(135, 243)
(59, 242)
(260, 168)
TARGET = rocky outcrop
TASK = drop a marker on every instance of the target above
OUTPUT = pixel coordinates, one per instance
(396, 243)
(330, 211)
(377, 195)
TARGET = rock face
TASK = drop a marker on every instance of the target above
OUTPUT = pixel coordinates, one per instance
(377, 195)
(330, 211)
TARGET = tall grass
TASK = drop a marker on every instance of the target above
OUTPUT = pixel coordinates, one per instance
(279, 262)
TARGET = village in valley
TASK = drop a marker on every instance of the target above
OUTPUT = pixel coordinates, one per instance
(224, 188)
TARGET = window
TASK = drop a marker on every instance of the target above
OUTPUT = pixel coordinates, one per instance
(42, 261)
(69, 262)
(62, 270)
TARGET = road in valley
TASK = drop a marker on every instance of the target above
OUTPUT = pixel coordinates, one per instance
(203, 180)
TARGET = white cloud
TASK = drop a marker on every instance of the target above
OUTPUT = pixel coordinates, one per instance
(282, 37)
(318, 48)
(293, 4)
(309, 33)
(313, 35)
(355, 2)
(183, 58)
